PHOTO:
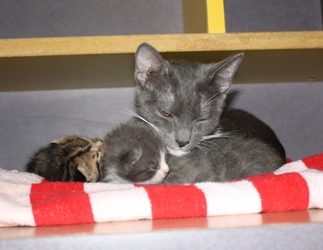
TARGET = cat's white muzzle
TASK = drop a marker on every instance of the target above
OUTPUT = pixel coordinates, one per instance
(177, 152)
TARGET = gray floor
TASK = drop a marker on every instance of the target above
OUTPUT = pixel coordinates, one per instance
(294, 236)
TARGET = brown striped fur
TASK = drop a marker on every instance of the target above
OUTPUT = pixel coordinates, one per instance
(70, 158)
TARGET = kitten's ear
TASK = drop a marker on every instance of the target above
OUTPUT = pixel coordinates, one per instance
(130, 157)
(85, 170)
(83, 173)
(58, 141)
(98, 144)
(225, 71)
(148, 62)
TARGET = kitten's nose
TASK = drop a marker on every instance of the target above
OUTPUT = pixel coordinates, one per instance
(182, 144)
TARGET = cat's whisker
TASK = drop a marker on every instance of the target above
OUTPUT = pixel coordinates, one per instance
(209, 137)
(129, 112)
(218, 134)
(232, 91)
(213, 144)
(194, 149)
(206, 143)
(211, 99)
(165, 138)
(205, 104)
(204, 149)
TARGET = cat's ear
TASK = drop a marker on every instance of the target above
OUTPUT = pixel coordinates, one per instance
(148, 62)
(225, 71)
(130, 157)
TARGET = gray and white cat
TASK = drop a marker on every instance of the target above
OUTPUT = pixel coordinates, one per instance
(183, 107)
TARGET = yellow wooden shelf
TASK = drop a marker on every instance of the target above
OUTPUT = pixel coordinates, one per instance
(99, 62)
(164, 43)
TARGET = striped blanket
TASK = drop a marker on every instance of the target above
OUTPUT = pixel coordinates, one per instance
(29, 200)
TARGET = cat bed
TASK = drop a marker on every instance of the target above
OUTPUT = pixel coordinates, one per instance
(28, 200)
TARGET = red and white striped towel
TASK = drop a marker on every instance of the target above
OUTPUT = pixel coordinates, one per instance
(28, 200)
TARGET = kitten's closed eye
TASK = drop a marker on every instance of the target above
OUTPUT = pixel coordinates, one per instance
(130, 157)
(153, 165)
(95, 155)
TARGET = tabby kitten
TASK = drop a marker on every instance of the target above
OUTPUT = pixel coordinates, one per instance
(134, 154)
(185, 103)
(71, 158)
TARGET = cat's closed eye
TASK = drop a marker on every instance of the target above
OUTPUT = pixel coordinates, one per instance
(165, 113)
(201, 120)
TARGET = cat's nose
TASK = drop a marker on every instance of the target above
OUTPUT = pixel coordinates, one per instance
(182, 144)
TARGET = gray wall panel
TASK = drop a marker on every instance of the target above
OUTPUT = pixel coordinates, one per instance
(273, 15)
(46, 18)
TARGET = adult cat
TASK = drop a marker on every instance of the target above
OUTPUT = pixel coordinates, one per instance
(185, 103)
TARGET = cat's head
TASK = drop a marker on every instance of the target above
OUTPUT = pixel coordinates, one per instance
(83, 156)
(133, 155)
(184, 100)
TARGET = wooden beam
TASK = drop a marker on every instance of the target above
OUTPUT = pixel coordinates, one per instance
(163, 43)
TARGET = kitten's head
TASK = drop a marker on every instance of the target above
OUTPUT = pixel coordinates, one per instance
(81, 155)
(134, 155)
(184, 100)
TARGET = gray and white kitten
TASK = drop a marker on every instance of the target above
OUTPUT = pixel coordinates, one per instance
(134, 154)
(185, 103)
